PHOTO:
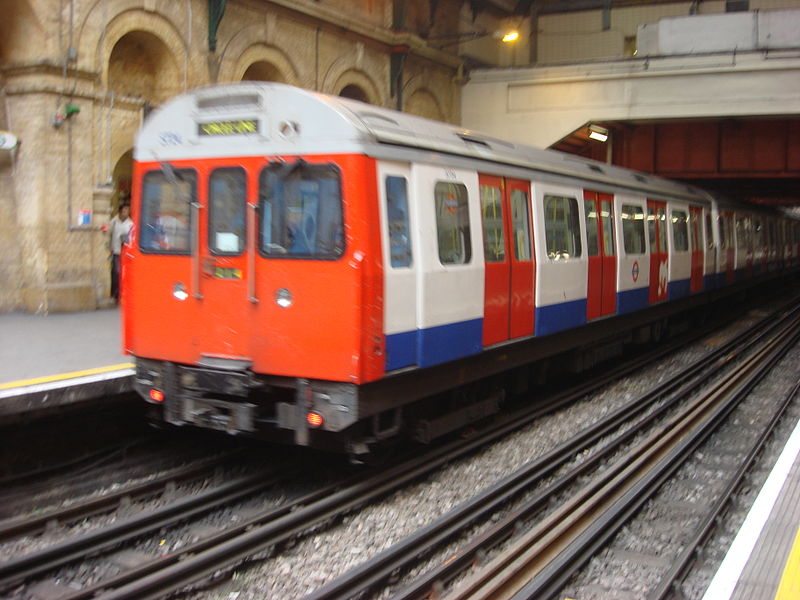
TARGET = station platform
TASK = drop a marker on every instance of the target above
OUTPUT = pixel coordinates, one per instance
(52, 362)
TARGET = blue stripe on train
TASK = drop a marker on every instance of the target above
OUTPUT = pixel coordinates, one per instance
(448, 342)
(631, 300)
(678, 289)
(401, 350)
(428, 347)
(558, 317)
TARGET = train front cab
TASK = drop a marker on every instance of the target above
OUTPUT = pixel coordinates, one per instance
(248, 266)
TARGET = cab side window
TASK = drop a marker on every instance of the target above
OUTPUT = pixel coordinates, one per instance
(399, 234)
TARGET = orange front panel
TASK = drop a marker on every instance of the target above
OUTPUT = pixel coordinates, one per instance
(331, 329)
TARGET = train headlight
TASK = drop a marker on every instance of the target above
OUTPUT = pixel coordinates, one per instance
(179, 291)
(283, 298)
(314, 420)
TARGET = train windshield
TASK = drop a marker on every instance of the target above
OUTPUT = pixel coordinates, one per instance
(301, 211)
(166, 211)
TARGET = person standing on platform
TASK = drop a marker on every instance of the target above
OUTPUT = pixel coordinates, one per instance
(120, 227)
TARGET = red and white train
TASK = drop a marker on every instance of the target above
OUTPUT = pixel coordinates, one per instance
(329, 273)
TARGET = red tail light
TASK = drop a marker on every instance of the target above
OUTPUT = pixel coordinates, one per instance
(156, 395)
(314, 420)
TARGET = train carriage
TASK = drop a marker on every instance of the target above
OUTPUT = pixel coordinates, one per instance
(321, 271)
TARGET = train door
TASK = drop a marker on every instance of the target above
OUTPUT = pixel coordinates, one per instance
(602, 281)
(659, 268)
(696, 223)
(226, 259)
(399, 265)
(509, 265)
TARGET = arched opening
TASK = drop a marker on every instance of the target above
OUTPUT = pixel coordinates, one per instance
(354, 92)
(142, 66)
(122, 176)
(263, 71)
(20, 32)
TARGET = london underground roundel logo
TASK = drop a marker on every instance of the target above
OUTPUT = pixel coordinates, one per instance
(635, 271)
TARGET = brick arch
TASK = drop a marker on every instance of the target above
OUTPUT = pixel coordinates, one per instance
(140, 65)
(341, 75)
(21, 32)
(420, 99)
(252, 44)
(149, 26)
(422, 102)
(263, 54)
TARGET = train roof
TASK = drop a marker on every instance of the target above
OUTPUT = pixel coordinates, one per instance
(249, 115)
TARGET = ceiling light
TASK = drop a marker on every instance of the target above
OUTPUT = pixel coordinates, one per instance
(511, 36)
(598, 133)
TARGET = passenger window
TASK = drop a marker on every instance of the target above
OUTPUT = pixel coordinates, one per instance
(592, 240)
(562, 227)
(397, 216)
(633, 229)
(452, 223)
(521, 223)
(494, 243)
(723, 233)
(680, 231)
(301, 211)
(166, 214)
(226, 219)
(651, 229)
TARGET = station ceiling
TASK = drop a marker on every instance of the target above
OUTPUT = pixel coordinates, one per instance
(750, 159)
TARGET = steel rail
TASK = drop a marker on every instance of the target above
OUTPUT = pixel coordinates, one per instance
(208, 555)
(24, 567)
(93, 506)
(367, 575)
(540, 563)
(671, 580)
(184, 568)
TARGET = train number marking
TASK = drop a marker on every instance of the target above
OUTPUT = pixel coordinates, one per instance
(170, 138)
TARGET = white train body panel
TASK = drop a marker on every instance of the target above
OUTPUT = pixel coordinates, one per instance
(679, 241)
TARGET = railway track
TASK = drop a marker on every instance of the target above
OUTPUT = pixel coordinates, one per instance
(291, 520)
(538, 563)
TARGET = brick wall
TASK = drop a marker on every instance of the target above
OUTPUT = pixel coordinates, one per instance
(131, 53)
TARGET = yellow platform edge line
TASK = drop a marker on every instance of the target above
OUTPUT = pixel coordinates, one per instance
(789, 587)
(64, 376)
